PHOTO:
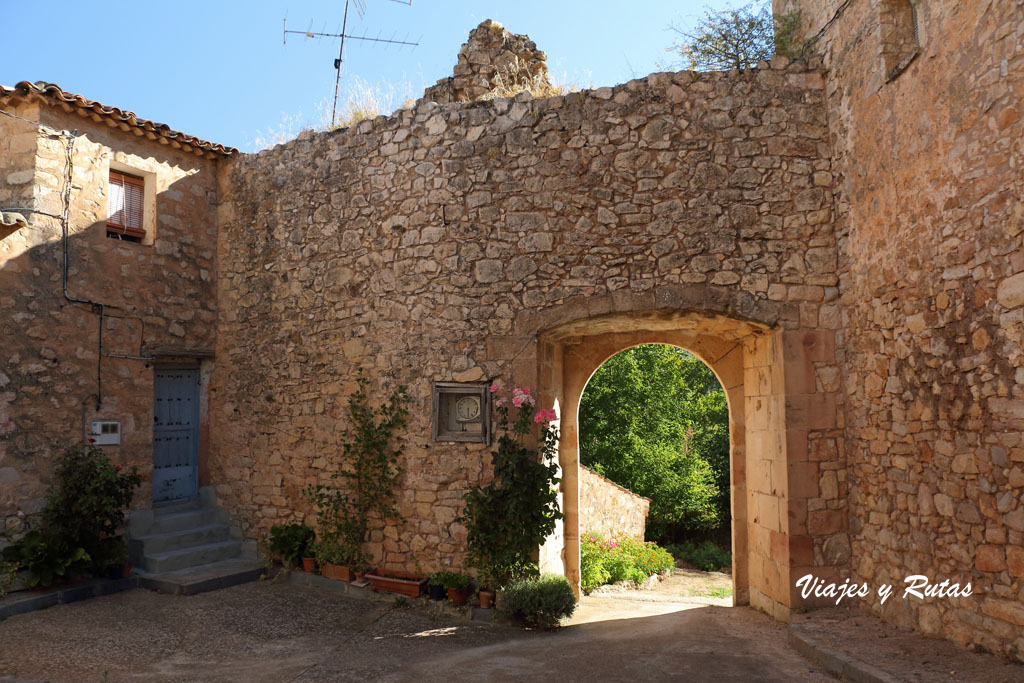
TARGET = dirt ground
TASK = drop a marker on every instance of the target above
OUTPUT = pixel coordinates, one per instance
(278, 632)
(685, 582)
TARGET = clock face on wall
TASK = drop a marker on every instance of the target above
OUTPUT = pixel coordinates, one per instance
(467, 409)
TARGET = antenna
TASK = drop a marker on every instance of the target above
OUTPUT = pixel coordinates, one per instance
(360, 7)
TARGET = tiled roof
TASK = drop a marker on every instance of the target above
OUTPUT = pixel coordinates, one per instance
(121, 118)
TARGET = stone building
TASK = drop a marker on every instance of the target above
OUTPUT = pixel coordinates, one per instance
(111, 314)
(838, 238)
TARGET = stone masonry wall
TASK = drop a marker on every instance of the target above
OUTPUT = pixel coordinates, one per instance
(48, 376)
(609, 509)
(434, 244)
(931, 237)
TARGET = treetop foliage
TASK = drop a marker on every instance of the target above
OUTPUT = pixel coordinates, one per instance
(654, 419)
(739, 38)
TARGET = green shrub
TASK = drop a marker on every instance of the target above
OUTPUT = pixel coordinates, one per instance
(623, 558)
(83, 514)
(291, 541)
(48, 558)
(705, 556)
(538, 602)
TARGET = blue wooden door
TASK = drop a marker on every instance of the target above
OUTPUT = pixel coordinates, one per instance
(175, 435)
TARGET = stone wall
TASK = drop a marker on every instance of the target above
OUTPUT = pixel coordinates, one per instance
(17, 161)
(930, 230)
(437, 243)
(159, 299)
(609, 509)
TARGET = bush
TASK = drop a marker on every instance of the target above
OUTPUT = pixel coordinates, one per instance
(705, 556)
(623, 558)
(538, 602)
(291, 541)
(84, 513)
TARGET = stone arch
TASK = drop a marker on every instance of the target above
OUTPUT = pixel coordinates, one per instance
(768, 422)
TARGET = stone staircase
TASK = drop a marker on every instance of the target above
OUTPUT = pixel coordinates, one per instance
(177, 546)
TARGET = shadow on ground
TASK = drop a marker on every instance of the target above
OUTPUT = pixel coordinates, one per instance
(277, 632)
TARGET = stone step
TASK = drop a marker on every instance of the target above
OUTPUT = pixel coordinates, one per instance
(180, 506)
(159, 563)
(184, 520)
(205, 577)
(154, 544)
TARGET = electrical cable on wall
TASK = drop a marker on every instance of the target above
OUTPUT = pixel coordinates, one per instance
(97, 307)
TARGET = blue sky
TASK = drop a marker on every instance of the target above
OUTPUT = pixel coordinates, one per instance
(219, 70)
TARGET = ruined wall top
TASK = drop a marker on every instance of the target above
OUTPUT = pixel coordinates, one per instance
(493, 63)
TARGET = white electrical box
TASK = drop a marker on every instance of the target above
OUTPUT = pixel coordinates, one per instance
(106, 433)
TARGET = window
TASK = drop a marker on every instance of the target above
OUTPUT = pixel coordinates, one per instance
(899, 33)
(125, 198)
(462, 412)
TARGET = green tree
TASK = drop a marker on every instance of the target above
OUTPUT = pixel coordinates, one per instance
(654, 419)
(739, 38)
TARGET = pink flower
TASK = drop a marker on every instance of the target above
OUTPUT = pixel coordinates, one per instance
(526, 390)
(494, 388)
(517, 401)
(117, 468)
(499, 402)
(541, 416)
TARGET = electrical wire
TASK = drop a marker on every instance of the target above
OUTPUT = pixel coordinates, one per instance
(98, 307)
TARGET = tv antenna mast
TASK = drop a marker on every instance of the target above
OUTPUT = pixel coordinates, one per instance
(360, 7)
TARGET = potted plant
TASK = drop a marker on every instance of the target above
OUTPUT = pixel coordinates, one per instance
(291, 542)
(510, 517)
(456, 585)
(435, 586)
(486, 597)
(333, 559)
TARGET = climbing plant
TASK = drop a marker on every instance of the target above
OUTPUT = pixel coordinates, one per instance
(368, 473)
(510, 517)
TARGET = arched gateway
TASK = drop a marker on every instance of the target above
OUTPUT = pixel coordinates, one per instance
(771, 481)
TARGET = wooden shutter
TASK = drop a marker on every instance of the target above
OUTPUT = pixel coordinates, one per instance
(124, 204)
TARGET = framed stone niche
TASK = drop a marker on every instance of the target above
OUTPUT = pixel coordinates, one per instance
(462, 412)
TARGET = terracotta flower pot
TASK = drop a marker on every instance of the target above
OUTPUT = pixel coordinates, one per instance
(458, 596)
(402, 583)
(485, 598)
(339, 572)
(309, 564)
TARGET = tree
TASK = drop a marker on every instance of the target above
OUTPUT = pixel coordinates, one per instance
(739, 38)
(655, 420)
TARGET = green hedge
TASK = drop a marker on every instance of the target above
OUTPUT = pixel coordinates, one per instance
(705, 556)
(623, 558)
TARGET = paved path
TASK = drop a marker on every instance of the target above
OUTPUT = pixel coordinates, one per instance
(278, 632)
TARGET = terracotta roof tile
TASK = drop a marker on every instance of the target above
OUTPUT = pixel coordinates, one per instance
(54, 92)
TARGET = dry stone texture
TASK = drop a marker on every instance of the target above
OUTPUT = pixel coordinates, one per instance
(930, 225)
(608, 509)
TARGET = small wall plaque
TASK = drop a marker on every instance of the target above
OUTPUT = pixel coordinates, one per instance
(462, 412)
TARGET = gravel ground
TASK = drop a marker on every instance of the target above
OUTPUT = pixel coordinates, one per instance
(280, 632)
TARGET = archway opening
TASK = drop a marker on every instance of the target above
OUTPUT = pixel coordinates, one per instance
(653, 425)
